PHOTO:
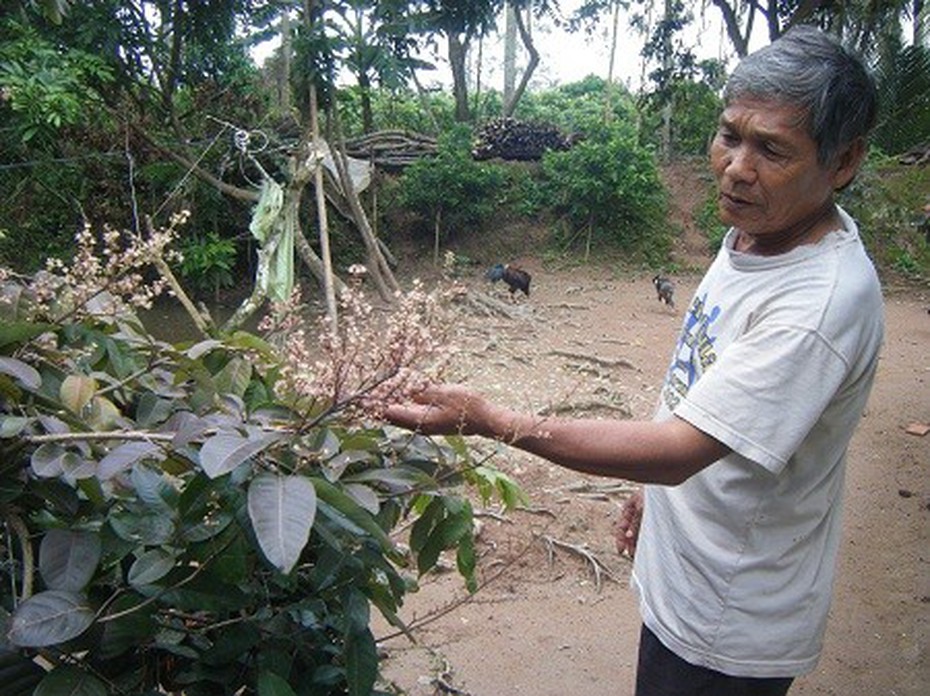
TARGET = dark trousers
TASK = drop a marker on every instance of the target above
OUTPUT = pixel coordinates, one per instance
(660, 672)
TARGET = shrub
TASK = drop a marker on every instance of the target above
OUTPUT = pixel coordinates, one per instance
(208, 262)
(696, 108)
(887, 200)
(208, 518)
(451, 191)
(608, 186)
(707, 218)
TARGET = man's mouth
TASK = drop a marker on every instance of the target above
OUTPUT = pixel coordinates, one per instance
(728, 200)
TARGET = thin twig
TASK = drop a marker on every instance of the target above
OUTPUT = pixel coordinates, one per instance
(581, 550)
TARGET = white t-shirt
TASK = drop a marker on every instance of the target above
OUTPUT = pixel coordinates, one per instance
(776, 358)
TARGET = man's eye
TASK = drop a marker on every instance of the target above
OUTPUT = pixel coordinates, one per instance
(771, 151)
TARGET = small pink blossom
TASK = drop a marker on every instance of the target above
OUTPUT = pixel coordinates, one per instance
(372, 358)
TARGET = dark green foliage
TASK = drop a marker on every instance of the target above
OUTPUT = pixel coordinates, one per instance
(707, 218)
(574, 106)
(397, 109)
(608, 186)
(695, 108)
(208, 263)
(887, 200)
(524, 193)
(451, 190)
(904, 100)
(188, 530)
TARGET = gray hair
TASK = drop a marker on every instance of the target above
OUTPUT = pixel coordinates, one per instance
(808, 68)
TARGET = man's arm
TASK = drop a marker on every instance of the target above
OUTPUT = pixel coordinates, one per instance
(667, 452)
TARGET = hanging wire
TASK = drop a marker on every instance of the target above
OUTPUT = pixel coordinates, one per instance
(247, 143)
(132, 184)
(243, 139)
(58, 160)
(191, 169)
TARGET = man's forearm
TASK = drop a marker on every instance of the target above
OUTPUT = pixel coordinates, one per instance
(645, 451)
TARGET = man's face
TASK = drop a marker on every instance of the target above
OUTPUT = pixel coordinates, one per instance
(770, 184)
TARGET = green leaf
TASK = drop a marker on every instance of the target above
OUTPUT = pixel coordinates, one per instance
(153, 488)
(334, 467)
(397, 479)
(455, 525)
(139, 526)
(225, 451)
(19, 674)
(70, 681)
(11, 426)
(234, 378)
(74, 466)
(151, 567)
(356, 612)
(361, 656)
(127, 624)
(22, 372)
(21, 331)
(153, 410)
(270, 684)
(122, 457)
(424, 524)
(364, 496)
(233, 643)
(46, 460)
(282, 510)
(76, 392)
(466, 562)
(490, 480)
(340, 501)
(50, 618)
(251, 342)
(198, 350)
(68, 559)
(103, 414)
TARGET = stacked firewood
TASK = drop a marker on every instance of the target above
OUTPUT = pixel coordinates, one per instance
(919, 154)
(391, 149)
(511, 139)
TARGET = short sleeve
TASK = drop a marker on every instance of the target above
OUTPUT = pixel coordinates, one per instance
(765, 392)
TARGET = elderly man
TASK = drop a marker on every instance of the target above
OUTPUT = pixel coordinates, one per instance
(737, 529)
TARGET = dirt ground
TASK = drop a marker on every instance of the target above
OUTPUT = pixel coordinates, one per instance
(554, 615)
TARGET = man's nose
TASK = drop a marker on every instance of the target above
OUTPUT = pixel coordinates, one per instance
(740, 164)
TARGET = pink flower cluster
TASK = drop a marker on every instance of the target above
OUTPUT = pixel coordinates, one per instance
(106, 275)
(367, 360)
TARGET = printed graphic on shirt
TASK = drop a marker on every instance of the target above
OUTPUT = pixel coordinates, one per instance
(694, 353)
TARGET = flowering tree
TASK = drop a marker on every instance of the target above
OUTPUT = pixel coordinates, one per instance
(217, 517)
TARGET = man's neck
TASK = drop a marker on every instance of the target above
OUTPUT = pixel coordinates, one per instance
(810, 230)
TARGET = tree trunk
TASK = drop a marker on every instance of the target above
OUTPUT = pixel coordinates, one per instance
(457, 51)
(378, 268)
(510, 53)
(919, 13)
(527, 38)
(609, 89)
(364, 88)
(284, 79)
(731, 22)
(323, 222)
(313, 262)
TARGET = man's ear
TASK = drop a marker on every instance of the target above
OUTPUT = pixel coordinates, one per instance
(848, 162)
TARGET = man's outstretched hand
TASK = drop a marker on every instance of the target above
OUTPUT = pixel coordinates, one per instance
(445, 409)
